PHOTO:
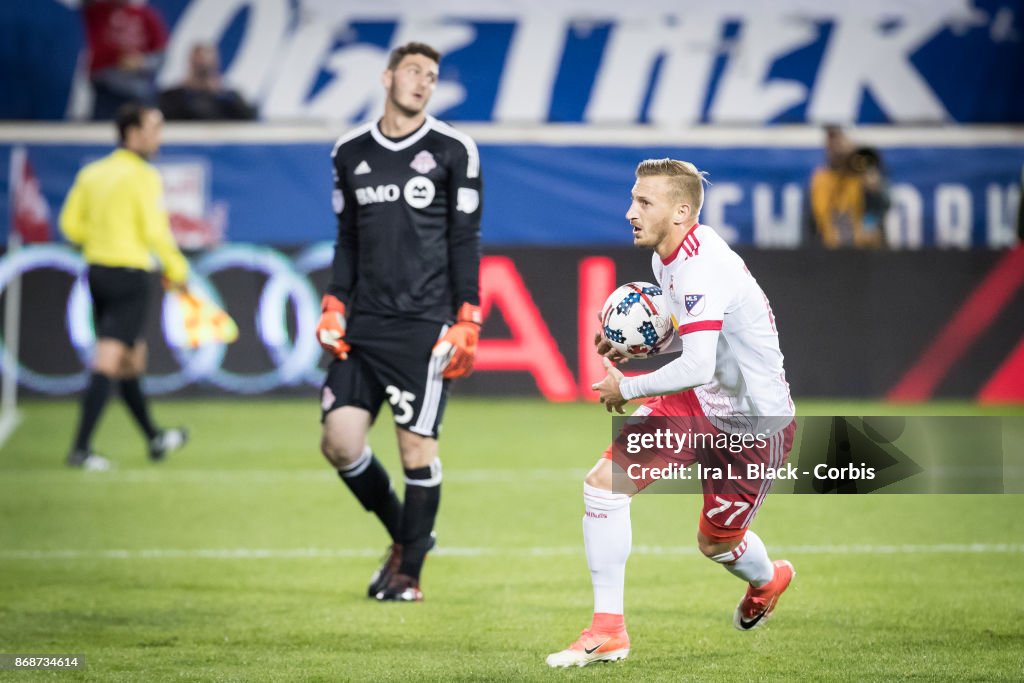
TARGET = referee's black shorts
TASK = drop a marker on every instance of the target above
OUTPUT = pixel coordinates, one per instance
(391, 362)
(120, 297)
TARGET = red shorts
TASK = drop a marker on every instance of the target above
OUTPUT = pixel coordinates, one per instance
(731, 501)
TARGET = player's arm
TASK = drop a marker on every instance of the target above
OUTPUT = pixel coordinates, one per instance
(605, 348)
(700, 311)
(72, 215)
(464, 209)
(696, 366)
(156, 229)
(330, 332)
(700, 314)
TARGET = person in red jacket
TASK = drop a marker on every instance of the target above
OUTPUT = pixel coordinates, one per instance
(126, 41)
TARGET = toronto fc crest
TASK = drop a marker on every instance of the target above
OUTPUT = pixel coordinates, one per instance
(423, 163)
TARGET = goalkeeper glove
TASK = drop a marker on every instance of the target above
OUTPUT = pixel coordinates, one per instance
(458, 345)
(330, 332)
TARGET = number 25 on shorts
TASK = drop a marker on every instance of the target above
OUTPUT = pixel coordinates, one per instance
(401, 401)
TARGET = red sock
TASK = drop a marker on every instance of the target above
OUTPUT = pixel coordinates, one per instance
(607, 623)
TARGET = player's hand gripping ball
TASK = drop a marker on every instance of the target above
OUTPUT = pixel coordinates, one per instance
(635, 320)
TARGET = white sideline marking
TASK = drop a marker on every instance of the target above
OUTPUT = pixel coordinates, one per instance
(159, 475)
(536, 551)
(8, 423)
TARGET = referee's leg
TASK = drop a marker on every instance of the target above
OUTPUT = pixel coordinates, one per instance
(161, 442)
(133, 368)
(108, 358)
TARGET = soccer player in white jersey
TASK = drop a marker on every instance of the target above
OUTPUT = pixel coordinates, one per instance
(728, 378)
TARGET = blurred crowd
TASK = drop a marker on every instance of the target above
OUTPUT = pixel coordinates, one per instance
(847, 199)
(125, 40)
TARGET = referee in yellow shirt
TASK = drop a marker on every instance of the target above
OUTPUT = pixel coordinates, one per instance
(115, 213)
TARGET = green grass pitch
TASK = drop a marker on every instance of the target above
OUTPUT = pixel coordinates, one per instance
(244, 558)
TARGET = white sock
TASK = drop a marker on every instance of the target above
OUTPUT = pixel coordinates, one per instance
(608, 537)
(749, 561)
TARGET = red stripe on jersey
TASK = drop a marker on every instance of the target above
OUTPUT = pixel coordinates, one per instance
(694, 244)
(675, 252)
(672, 256)
(700, 326)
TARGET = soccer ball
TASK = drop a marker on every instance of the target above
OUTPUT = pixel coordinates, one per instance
(636, 320)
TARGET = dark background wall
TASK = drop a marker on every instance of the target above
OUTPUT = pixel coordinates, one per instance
(852, 324)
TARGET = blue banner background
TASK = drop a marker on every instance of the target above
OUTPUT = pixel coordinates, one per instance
(537, 194)
(969, 59)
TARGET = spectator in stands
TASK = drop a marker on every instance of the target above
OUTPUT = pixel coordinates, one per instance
(866, 162)
(203, 95)
(849, 194)
(126, 41)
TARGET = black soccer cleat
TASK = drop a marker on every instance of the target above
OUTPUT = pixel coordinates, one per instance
(167, 441)
(401, 588)
(388, 568)
(87, 460)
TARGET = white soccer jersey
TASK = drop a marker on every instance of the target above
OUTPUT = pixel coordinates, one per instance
(708, 287)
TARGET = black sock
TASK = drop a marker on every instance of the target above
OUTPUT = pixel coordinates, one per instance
(369, 482)
(93, 401)
(422, 496)
(131, 392)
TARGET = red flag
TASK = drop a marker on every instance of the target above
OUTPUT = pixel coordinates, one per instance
(30, 212)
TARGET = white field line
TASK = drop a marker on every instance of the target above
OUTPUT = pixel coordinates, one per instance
(168, 475)
(536, 551)
(158, 475)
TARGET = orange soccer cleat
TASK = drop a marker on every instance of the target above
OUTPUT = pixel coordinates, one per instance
(759, 603)
(592, 646)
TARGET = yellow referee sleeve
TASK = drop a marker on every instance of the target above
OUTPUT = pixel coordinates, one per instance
(156, 228)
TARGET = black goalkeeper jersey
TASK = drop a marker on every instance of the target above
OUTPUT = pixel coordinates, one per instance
(408, 222)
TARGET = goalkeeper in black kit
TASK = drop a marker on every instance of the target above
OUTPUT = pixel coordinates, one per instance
(402, 312)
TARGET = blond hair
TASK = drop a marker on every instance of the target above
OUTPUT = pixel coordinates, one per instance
(687, 181)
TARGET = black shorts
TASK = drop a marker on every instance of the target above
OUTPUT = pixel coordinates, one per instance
(120, 297)
(390, 361)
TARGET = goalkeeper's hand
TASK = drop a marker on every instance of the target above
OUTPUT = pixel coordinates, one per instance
(458, 345)
(330, 332)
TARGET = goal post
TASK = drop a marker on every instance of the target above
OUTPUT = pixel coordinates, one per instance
(9, 415)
